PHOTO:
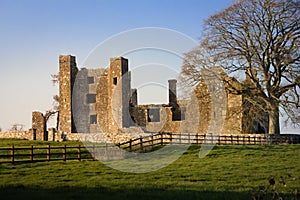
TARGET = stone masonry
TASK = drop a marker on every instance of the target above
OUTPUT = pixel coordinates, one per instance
(101, 101)
(38, 124)
(67, 73)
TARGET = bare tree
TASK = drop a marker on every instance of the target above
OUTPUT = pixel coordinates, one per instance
(47, 116)
(259, 39)
(55, 80)
(17, 127)
(56, 108)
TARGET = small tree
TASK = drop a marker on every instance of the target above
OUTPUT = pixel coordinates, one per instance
(261, 39)
(47, 116)
(16, 127)
(55, 80)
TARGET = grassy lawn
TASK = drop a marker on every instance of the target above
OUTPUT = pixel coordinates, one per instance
(227, 172)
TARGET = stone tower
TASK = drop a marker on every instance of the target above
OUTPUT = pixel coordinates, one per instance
(119, 84)
(67, 74)
(113, 97)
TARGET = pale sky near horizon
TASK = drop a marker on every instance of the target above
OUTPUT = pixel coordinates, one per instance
(34, 33)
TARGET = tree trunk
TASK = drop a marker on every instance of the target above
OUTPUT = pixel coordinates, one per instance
(274, 126)
(45, 130)
(57, 121)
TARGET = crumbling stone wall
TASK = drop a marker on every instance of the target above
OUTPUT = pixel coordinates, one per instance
(67, 73)
(241, 117)
(171, 125)
(18, 134)
(114, 108)
(119, 85)
(204, 106)
(84, 100)
(116, 103)
(113, 98)
(139, 115)
(209, 115)
(93, 115)
(38, 124)
(234, 113)
(159, 118)
(133, 98)
(103, 104)
(80, 107)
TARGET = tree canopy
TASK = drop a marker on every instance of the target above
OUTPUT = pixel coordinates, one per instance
(258, 40)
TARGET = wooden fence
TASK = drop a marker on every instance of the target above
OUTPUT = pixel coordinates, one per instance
(110, 152)
(144, 143)
(52, 153)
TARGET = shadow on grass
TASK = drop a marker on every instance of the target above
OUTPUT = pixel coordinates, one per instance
(74, 193)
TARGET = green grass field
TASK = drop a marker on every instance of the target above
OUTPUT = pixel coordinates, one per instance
(227, 172)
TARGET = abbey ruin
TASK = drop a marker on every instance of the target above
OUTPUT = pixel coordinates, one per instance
(102, 101)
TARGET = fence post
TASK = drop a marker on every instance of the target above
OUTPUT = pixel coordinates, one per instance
(79, 153)
(48, 153)
(152, 142)
(141, 143)
(93, 152)
(130, 145)
(231, 137)
(214, 139)
(260, 140)
(31, 153)
(64, 152)
(171, 138)
(12, 154)
(249, 141)
(179, 138)
(161, 139)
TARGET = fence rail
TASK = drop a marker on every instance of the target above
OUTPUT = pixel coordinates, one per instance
(110, 152)
(142, 143)
(53, 153)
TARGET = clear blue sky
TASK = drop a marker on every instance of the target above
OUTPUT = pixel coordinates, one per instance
(35, 32)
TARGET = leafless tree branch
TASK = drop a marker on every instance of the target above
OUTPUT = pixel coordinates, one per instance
(259, 40)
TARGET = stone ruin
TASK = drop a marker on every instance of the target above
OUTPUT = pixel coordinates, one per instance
(101, 101)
